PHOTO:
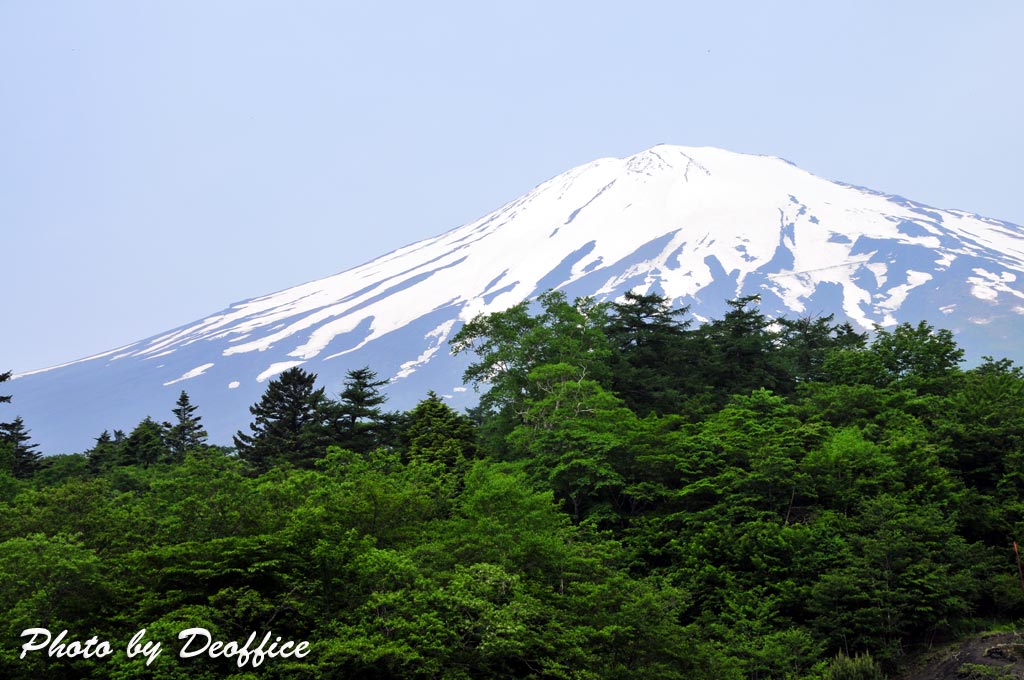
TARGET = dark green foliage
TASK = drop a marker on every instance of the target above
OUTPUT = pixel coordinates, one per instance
(4, 377)
(23, 460)
(62, 467)
(50, 581)
(356, 420)
(651, 355)
(17, 456)
(737, 352)
(751, 499)
(186, 433)
(434, 432)
(145, 445)
(288, 425)
(105, 454)
(804, 343)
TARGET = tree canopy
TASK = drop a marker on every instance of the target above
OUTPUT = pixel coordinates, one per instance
(637, 497)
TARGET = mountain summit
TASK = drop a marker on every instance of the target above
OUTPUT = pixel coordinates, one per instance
(698, 225)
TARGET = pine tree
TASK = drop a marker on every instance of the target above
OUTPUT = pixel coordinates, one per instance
(187, 433)
(25, 461)
(288, 423)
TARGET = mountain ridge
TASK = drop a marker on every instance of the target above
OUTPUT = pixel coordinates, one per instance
(699, 225)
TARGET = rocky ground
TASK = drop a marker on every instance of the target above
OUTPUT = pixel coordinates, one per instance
(984, 657)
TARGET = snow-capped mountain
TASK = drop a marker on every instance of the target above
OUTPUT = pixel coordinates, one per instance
(700, 225)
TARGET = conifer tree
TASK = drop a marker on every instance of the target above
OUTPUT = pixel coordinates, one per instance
(805, 342)
(25, 461)
(356, 421)
(187, 433)
(648, 342)
(288, 423)
(741, 351)
(436, 432)
(104, 454)
(6, 450)
(145, 445)
(19, 455)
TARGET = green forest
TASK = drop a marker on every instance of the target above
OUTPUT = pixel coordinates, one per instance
(637, 495)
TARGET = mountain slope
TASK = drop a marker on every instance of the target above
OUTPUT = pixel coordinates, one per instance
(700, 225)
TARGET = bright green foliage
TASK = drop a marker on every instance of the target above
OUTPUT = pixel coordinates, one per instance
(576, 438)
(510, 344)
(376, 495)
(920, 356)
(915, 357)
(858, 667)
(847, 470)
(751, 499)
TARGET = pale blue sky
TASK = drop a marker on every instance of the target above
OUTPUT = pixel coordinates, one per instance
(159, 160)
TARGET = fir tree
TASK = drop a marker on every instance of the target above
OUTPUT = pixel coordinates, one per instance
(648, 342)
(145, 445)
(187, 433)
(104, 454)
(4, 377)
(436, 432)
(24, 460)
(804, 343)
(741, 351)
(288, 423)
(356, 421)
